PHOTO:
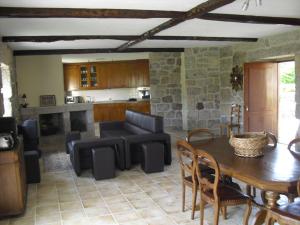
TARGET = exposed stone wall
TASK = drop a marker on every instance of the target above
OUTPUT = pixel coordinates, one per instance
(207, 76)
(7, 58)
(166, 88)
(202, 81)
(286, 44)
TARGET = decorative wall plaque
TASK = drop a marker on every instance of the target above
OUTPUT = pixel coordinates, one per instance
(236, 78)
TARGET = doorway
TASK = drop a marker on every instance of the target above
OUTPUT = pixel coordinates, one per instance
(269, 96)
(261, 97)
(287, 122)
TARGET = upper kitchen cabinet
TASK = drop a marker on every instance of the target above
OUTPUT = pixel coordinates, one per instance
(71, 77)
(103, 75)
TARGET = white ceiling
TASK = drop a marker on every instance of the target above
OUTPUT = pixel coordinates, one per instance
(194, 27)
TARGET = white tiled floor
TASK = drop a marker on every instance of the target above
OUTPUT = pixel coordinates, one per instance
(132, 198)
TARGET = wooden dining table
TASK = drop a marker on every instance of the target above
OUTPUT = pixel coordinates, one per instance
(276, 172)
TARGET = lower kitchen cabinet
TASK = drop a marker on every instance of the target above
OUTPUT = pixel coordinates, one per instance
(116, 111)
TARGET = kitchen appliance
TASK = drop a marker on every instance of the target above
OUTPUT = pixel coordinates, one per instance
(8, 133)
(145, 91)
(74, 99)
(6, 141)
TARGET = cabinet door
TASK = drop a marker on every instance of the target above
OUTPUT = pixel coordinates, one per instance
(84, 76)
(93, 76)
(102, 75)
(71, 77)
(145, 72)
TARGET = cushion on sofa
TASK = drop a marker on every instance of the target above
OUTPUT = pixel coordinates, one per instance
(135, 129)
(115, 133)
(147, 122)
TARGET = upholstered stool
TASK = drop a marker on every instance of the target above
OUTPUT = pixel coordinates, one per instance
(152, 157)
(103, 163)
(32, 167)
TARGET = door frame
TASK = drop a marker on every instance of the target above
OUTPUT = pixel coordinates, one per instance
(246, 94)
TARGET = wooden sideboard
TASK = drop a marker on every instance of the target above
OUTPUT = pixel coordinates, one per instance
(116, 111)
(106, 75)
(13, 186)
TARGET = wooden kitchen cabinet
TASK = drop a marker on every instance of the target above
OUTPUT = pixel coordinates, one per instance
(104, 75)
(116, 111)
(13, 181)
(71, 77)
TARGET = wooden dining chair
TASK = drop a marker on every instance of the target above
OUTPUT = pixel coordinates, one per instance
(285, 215)
(234, 123)
(199, 134)
(213, 192)
(295, 141)
(185, 157)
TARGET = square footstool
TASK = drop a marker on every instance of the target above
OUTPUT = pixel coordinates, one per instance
(103, 163)
(152, 157)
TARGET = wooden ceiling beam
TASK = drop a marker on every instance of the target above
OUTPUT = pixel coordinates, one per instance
(18, 12)
(65, 38)
(194, 12)
(120, 37)
(94, 50)
(250, 19)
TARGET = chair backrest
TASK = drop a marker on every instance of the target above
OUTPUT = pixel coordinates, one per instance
(207, 184)
(235, 114)
(185, 156)
(201, 133)
(294, 151)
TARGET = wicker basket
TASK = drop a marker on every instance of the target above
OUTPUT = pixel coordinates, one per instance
(249, 144)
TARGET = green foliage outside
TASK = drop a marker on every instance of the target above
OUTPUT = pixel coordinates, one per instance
(288, 77)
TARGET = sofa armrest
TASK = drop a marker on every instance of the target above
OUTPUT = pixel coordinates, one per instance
(111, 125)
(72, 136)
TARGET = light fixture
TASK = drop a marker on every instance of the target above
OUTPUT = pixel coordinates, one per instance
(258, 2)
(246, 4)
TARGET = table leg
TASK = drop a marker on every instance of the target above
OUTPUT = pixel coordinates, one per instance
(272, 198)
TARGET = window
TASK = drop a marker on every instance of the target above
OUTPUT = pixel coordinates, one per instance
(6, 89)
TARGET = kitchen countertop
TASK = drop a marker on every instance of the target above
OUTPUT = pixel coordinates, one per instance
(121, 101)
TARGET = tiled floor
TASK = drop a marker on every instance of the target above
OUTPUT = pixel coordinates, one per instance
(132, 198)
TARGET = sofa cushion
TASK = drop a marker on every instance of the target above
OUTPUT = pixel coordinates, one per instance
(147, 122)
(135, 129)
(116, 133)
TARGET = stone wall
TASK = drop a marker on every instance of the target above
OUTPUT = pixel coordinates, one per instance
(268, 48)
(207, 76)
(202, 81)
(166, 87)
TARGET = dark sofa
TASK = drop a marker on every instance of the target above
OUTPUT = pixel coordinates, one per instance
(138, 128)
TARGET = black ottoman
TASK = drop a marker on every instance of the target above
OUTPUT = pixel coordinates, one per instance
(152, 157)
(32, 167)
(103, 163)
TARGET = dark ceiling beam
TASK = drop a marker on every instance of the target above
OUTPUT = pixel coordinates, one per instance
(66, 38)
(250, 19)
(15, 12)
(120, 37)
(94, 50)
(19, 12)
(194, 12)
(203, 38)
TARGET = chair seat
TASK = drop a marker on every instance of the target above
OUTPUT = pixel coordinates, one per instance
(227, 194)
(291, 210)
